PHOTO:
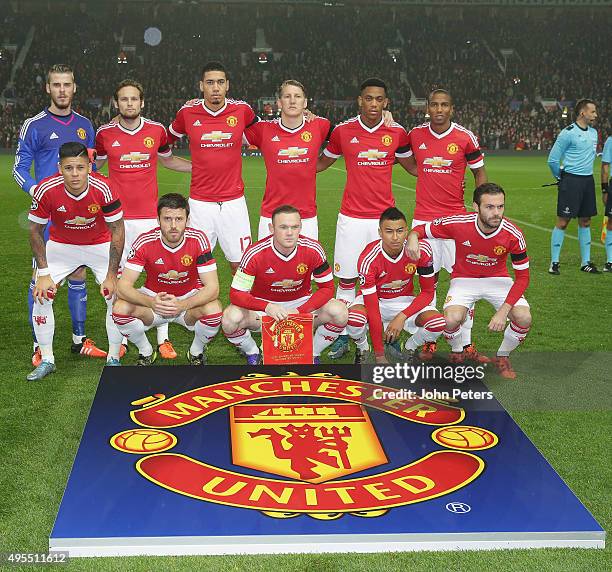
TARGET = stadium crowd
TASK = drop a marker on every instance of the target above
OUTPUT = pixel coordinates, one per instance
(316, 45)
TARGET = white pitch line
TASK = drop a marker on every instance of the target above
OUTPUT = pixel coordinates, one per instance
(522, 222)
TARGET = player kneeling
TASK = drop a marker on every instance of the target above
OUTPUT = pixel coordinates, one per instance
(386, 275)
(181, 284)
(483, 240)
(87, 230)
(274, 278)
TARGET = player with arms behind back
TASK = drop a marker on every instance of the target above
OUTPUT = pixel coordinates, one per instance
(606, 159)
(275, 278)
(82, 208)
(215, 126)
(40, 138)
(386, 275)
(441, 151)
(370, 149)
(132, 145)
(181, 285)
(483, 241)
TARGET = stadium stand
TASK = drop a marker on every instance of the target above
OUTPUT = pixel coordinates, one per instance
(414, 48)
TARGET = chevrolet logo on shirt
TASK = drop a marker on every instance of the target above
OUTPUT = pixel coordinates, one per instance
(395, 285)
(216, 136)
(372, 154)
(438, 162)
(135, 157)
(292, 152)
(287, 283)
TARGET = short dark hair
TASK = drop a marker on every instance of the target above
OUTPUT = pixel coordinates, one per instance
(373, 82)
(284, 209)
(73, 149)
(172, 201)
(439, 90)
(487, 189)
(392, 213)
(129, 83)
(581, 104)
(213, 66)
(59, 68)
(293, 82)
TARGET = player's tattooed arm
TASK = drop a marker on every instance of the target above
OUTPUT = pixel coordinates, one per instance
(409, 163)
(44, 288)
(109, 285)
(480, 176)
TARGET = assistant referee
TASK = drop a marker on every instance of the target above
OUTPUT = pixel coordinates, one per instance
(576, 147)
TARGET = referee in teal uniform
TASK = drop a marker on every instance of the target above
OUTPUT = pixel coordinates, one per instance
(576, 148)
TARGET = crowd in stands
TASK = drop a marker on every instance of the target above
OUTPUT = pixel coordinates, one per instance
(331, 50)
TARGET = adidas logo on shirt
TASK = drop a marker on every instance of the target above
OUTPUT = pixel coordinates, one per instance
(422, 146)
(467, 243)
(383, 273)
(61, 209)
(54, 135)
(275, 138)
(197, 123)
(270, 270)
(116, 144)
(354, 140)
(159, 261)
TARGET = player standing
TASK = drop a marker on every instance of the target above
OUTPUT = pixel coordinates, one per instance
(181, 284)
(290, 147)
(132, 146)
(483, 241)
(39, 141)
(576, 147)
(606, 159)
(370, 148)
(82, 208)
(441, 151)
(274, 278)
(386, 276)
(215, 126)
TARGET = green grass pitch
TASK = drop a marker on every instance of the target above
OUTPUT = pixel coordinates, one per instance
(561, 398)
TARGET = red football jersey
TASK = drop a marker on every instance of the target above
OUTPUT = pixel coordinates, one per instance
(132, 163)
(215, 143)
(369, 154)
(441, 162)
(291, 163)
(392, 277)
(269, 275)
(172, 270)
(76, 220)
(480, 255)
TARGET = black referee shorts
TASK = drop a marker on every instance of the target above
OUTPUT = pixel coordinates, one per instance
(576, 196)
(608, 211)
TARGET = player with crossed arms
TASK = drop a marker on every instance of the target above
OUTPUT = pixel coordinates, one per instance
(386, 301)
(132, 145)
(181, 285)
(274, 278)
(483, 241)
(87, 230)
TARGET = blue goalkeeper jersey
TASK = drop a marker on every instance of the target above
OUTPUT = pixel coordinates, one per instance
(41, 137)
(576, 147)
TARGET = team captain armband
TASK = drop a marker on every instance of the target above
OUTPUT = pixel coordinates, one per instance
(520, 261)
(243, 281)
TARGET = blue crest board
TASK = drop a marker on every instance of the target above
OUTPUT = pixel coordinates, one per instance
(235, 460)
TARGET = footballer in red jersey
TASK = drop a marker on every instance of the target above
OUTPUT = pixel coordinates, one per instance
(483, 241)
(215, 126)
(386, 299)
(441, 152)
(370, 149)
(131, 145)
(290, 146)
(181, 284)
(275, 278)
(87, 230)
